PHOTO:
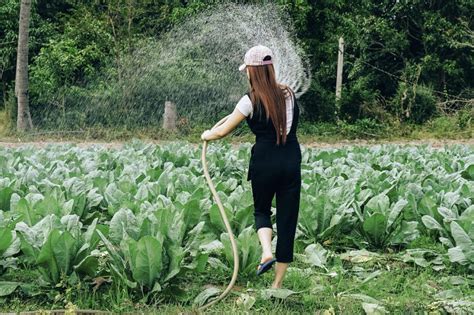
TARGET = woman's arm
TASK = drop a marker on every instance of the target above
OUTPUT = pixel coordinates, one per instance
(221, 131)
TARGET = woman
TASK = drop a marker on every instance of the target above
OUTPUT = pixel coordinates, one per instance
(275, 162)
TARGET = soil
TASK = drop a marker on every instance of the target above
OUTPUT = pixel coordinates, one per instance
(436, 143)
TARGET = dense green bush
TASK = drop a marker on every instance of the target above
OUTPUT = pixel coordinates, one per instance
(465, 117)
(353, 98)
(414, 103)
(424, 106)
(318, 103)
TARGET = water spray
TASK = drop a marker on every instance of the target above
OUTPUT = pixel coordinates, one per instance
(194, 63)
(226, 222)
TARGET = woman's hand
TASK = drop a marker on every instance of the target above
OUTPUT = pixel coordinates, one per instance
(205, 135)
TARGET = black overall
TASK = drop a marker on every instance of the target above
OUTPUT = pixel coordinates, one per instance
(276, 170)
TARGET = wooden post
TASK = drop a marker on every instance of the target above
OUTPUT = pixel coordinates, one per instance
(169, 117)
(340, 61)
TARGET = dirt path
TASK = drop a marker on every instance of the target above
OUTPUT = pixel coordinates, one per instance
(437, 143)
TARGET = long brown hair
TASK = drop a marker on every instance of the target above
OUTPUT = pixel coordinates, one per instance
(264, 90)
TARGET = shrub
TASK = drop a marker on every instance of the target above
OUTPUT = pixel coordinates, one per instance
(442, 125)
(464, 118)
(376, 110)
(318, 104)
(424, 106)
(416, 105)
(353, 99)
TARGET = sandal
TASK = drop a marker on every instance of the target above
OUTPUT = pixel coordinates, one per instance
(265, 266)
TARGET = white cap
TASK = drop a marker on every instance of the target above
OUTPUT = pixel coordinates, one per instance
(255, 55)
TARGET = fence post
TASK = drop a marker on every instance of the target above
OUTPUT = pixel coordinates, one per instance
(169, 117)
(340, 61)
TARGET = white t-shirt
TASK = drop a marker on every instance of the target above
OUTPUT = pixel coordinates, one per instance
(245, 107)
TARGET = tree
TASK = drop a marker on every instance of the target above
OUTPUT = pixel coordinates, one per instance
(21, 81)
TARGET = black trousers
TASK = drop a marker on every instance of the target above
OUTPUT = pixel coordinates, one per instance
(276, 171)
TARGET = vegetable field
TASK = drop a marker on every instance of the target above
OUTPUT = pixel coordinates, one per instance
(136, 227)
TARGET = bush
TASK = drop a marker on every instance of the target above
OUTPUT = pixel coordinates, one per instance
(353, 99)
(416, 105)
(376, 110)
(424, 106)
(362, 128)
(464, 118)
(318, 104)
(442, 125)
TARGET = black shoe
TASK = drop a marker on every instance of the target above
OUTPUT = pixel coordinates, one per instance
(264, 267)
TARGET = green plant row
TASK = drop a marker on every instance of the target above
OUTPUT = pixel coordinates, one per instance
(142, 215)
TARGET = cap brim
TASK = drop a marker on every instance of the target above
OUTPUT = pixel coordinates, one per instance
(242, 67)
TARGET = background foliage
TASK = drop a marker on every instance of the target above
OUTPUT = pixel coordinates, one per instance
(404, 61)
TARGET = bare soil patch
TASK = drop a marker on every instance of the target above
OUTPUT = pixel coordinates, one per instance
(436, 143)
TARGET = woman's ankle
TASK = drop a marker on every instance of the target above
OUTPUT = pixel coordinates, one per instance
(276, 285)
(266, 257)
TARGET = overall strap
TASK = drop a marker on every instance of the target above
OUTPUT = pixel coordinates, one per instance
(295, 111)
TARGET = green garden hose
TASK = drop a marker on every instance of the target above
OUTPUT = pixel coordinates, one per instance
(226, 222)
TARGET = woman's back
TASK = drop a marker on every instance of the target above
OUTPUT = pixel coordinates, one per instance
(265, 130)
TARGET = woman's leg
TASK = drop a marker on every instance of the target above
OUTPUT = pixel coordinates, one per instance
(287, 209)
(263, 193)
(265, 236)
(280, 271)
(287, 205)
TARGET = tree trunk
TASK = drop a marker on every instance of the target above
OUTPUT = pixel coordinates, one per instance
(21, 81)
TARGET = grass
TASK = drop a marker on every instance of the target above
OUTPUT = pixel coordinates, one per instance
(402, 289)
(399, 287)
